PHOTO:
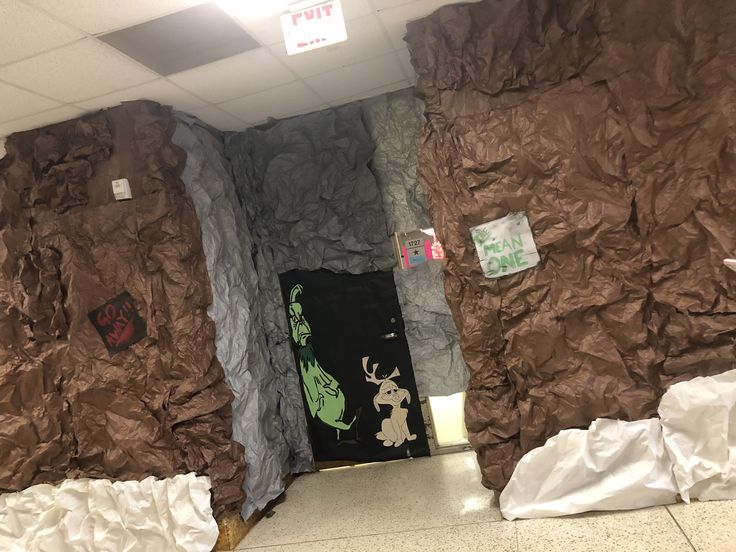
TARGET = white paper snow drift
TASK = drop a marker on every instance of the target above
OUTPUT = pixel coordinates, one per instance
(617, 465)
(168, 515)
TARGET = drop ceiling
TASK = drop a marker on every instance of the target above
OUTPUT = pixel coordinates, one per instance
(54, 65)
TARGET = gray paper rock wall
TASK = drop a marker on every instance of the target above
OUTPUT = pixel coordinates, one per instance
(438, 363)
(311, 199)
(310, 202)
(273, 447)
(395, 124)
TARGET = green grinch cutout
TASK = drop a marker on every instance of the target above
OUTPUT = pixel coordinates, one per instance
(325, 399)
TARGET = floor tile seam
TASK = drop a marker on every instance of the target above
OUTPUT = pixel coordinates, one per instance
(415, 530)
(677, 523)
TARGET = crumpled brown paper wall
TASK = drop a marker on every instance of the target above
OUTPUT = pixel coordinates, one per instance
(611, 124)
(162, 406)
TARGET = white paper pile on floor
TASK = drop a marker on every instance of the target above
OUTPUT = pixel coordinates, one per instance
(616, 465)
(97, 515)
(699, 427)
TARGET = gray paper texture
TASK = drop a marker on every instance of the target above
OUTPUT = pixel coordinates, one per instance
(310, 202)
(274, 446)
(395, 123)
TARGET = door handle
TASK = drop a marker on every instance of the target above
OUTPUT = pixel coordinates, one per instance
(389, 336)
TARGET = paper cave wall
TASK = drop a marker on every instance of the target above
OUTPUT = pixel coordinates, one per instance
(394, 122)
(611, 124)
(162, 406)
(317, 191)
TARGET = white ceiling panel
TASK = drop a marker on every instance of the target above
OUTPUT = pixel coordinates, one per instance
(399, 85)
(85, 69)
(262, 21)
(353, 9)
(278, 102)
(366, 40)
(102, 16)
(348, 81)
(218, 118)
(385, 4)
(405, 59)
(39, 120)
(26, 31)
(159, 90)
(234, 77)
(48, 59)
(303, 111)
(266, 30)
(16, 103)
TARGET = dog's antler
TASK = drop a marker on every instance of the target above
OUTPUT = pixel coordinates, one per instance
(370, 376)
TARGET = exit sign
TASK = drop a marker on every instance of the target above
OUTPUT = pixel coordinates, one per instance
(313, 27)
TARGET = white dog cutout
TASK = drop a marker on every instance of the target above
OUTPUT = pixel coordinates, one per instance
(394, 430)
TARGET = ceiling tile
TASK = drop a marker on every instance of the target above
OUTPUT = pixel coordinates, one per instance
(385, 4)
(262, 20)
(159, 90)
(183, 40)
(16, 42)
(278, 102)
(399, 85)
(16, 103)
(266, 31)
(366, 40)
(102, 16)
(395, 19)
(302, 111)
(234, 77)
(218, 118)
(39, 120)
(353, 9)
(348, 81)
(85, 69)
(405, 59)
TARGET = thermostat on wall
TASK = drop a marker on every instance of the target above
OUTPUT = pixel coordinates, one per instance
(121, 189)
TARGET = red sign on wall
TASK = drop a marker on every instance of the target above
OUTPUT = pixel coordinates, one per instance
(313, 27)
(118, 323)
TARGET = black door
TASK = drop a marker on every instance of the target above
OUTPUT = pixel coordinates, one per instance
(358, 385)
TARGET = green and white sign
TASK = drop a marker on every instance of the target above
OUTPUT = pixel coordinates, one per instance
(505, 246)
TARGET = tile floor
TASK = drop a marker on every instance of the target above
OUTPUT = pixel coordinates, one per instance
(438, 504)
